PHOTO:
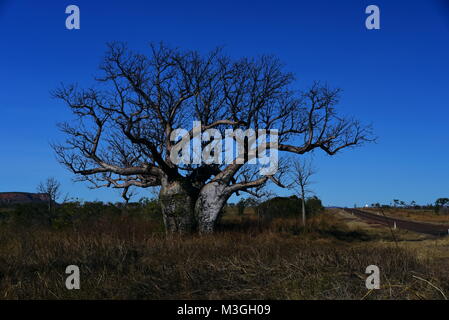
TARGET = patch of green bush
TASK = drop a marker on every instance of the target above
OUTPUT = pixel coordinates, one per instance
(288, 207)
(75, 213)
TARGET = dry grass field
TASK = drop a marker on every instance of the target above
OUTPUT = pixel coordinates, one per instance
(246, 259)
(419, 215)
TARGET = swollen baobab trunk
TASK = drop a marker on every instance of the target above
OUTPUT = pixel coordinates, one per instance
(209, 204)
(178, 202)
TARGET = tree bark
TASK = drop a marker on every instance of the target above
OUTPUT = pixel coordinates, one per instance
(303, 196)
(209, 205)
(303, 212)
(178, 203)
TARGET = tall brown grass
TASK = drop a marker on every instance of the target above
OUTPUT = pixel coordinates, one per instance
(132, 259)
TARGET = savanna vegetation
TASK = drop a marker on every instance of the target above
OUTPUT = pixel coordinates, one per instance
(124, 252)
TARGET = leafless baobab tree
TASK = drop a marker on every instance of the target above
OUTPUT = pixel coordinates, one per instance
(52, 189)
(121, 134)
(302, 171)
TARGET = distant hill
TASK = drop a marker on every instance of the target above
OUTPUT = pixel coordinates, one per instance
(11, 198)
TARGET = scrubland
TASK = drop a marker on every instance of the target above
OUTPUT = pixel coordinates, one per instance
(130, 257)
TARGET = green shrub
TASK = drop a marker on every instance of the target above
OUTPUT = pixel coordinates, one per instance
(288, 207)
(74, 214)
(314, 205)
(30, 214)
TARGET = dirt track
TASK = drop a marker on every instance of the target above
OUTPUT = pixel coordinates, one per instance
(427, 228)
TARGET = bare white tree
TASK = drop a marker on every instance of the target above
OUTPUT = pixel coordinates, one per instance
(52, 189)
(302, 171)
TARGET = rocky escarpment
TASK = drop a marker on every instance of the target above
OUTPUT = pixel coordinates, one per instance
(11, 198)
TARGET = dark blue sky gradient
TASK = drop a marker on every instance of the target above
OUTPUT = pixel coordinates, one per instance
(397, 78)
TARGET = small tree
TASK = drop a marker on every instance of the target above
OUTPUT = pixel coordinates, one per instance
(302, 172)
(52, 189)
(441, 203)
(241, 207)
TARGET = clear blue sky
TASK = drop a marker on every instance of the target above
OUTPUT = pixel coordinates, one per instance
(397, 78)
